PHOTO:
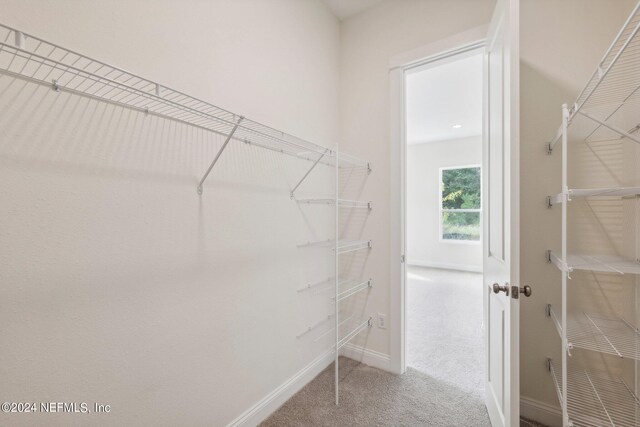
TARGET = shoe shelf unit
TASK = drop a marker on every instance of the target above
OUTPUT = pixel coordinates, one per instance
(594, 398)
(606, 112)
(346, 327)
(35, 60)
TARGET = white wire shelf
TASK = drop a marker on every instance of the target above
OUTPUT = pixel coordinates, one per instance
(349, 161)
(315, 326)
(348, 329)
(597, 263)
(354, 329)
(341, 203)
(346, 161)
(616, 77)
(349, 287)
(595, 399)
(594, 192)
(317, 285)
(614, 84)
(344, 246)
(35, 60)
(603, 334)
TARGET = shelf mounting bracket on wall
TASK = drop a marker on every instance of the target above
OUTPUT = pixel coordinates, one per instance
(309, 171)
(213, 163)
(609, 126)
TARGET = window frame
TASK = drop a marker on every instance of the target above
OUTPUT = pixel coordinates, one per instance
(441, 210)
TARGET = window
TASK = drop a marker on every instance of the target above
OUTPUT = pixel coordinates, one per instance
(460, 203)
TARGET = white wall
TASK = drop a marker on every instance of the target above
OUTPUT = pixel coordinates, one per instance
(119, 284)
(424, 246)
(369, 41)
(561, 44)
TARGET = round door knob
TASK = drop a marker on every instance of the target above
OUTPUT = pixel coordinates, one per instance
(526, 290)
(497, 289)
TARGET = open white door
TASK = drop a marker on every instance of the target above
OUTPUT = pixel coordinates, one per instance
(501, 218)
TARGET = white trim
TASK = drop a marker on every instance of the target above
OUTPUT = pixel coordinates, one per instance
(271, 402)
(368, 357)
(438, 48)
(459, 43)
(549, 415)
(445, 266)
(397, 248)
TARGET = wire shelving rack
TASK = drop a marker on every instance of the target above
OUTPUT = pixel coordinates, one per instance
(604, 334)
(346, 329)
(605, 110)
(595, 399)
(35, 60)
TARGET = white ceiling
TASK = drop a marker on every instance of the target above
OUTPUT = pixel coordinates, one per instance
(345, 8)
(442, 96)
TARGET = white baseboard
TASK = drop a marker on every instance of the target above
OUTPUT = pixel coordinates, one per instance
(541, 412)
(446, 266)
(368, 357)
(271, 402)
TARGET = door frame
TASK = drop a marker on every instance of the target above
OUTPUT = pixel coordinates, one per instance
(399, 65)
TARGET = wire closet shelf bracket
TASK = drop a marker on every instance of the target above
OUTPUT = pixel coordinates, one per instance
(35, 60)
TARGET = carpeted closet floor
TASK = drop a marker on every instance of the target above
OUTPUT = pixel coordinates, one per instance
(443, 385)
(371, 397)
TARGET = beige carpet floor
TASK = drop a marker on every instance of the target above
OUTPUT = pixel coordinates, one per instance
(444, 332)
(443, 385)
(371, 397)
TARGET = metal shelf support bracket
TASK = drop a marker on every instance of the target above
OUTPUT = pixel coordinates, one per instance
(291, 194)
(213, 163)
(617, 130)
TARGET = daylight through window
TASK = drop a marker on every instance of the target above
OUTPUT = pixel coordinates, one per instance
(460, 203)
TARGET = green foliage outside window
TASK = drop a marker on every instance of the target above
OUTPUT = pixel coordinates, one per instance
(461, 189)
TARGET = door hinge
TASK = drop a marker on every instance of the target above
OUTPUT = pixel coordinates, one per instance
(402, 259)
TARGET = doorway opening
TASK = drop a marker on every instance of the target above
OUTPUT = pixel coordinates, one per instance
(444, 296)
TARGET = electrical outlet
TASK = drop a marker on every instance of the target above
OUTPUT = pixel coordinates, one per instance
(382, 321)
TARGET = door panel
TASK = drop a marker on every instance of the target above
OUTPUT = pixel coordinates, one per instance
(496, 347)
(501, 226)
(495, 59)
